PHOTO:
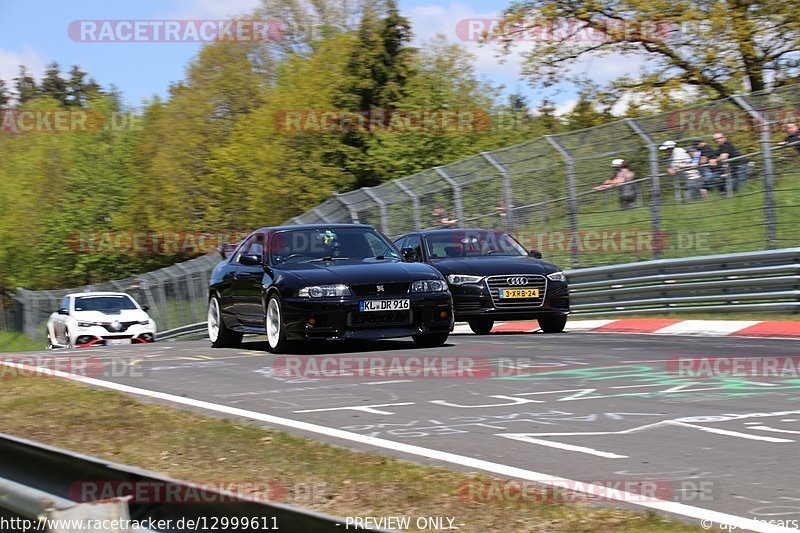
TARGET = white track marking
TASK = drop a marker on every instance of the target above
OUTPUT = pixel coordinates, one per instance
(428, 453)
(560, 445)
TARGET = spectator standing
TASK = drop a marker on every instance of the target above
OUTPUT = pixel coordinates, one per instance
(725, 152)
(681, 165)
(623, 175)
(793, 137)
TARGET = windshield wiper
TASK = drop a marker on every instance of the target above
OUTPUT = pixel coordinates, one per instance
(323, 259)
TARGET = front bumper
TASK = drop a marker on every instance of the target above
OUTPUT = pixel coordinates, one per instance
(313, 319)
(473, 301)
(100, 336)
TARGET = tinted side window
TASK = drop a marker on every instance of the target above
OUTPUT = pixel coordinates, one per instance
(412, 241)
(64, 303)
(399, 242)
(252, 246)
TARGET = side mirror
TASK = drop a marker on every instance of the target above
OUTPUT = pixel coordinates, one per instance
(145, 308)
(250, 259)
(536, 254)
(62, 311)
(409, 254)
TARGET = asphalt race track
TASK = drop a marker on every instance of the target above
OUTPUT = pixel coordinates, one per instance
(582, 406)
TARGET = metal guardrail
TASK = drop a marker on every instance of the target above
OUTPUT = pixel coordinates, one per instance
(39, 482)
(751, 281)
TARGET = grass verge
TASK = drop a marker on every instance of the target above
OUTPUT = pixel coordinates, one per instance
(17, 342)
(199, 448)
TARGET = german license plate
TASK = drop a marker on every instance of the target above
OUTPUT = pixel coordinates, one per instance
(384, 305)
(117, 342)
(519, 293)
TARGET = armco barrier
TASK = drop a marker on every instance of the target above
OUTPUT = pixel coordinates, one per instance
(38, 481)
(752, 281)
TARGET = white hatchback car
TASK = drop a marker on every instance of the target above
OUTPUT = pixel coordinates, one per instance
(99, 319)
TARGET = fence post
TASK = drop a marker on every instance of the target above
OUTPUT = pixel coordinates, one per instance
(381, 206)
(572, 201)
(414, 201)
(321, 215)
(353, 213)
(507, 196)
(765, 140)
(655, 187)
(456, 196)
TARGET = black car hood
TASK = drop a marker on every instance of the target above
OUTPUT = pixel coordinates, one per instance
(359, 272)
(488, 265)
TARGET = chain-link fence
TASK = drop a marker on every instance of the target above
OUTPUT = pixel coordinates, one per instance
(549, 191)
(177, 295)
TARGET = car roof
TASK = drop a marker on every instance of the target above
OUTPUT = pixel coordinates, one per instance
(313, 226)
(98, 294)
(450, 230)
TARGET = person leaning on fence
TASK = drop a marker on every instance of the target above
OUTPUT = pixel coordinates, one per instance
(442, 218)
(622, 176)
(682, 165)
(793, 137)
(738, 167)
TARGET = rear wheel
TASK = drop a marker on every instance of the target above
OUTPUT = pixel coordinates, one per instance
(430, 340)
(49, 342)
(218, 332)
(553, 324)
(273, 323)
(481, 326)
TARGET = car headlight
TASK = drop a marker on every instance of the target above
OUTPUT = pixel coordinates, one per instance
(144, 322)
(460, 279)
(426, 285)
(557, 276)
(89, 324)
(324, 291)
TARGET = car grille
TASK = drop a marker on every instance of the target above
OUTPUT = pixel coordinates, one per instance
(496, 283)
(389, 289)
(125, 326)
(379, 319)
(467, 306)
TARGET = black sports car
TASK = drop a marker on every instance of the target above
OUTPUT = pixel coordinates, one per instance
(341, 281)
(492, 277)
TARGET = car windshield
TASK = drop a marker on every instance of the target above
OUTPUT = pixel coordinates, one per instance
(103, 303)
(317, 244)
(472, 243)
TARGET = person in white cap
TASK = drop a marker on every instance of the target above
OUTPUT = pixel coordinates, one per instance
(681, 162)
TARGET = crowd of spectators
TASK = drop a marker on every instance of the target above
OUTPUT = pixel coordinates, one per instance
(697, 167)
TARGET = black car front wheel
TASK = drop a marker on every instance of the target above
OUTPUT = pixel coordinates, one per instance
(481, 326)
(430, 340)
(553, 324)
(273, 324)
(218, 332)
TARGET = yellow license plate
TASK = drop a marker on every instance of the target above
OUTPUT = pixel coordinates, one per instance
(519, 293)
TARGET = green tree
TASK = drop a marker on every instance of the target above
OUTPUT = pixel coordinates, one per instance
(719, 47)
(4, 98)
(53, 85)
(25, 86)
(77, 90)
